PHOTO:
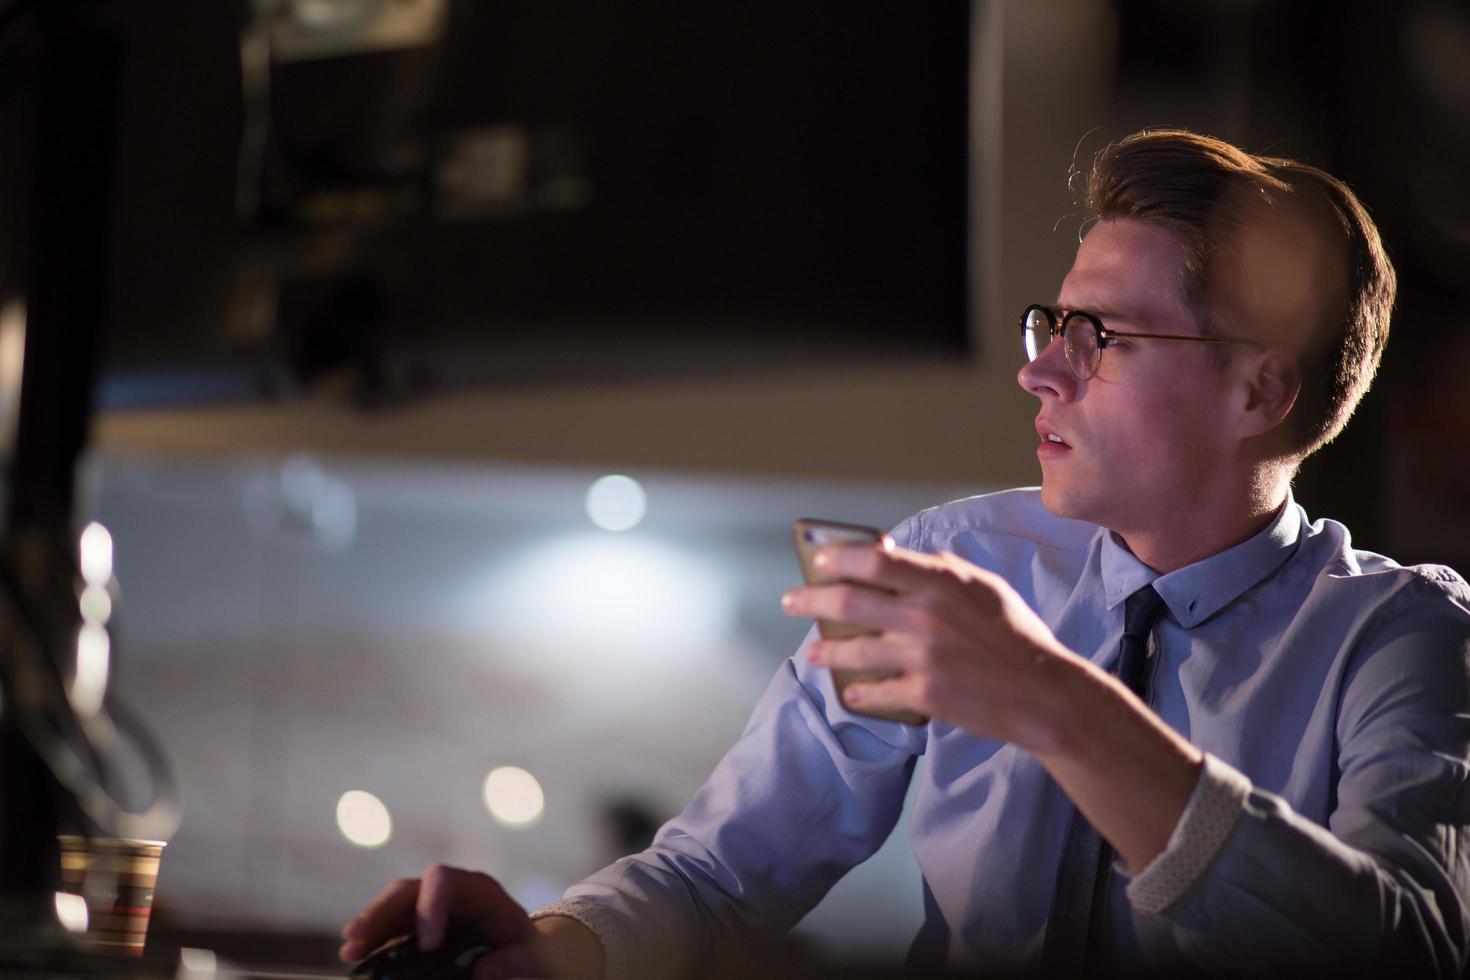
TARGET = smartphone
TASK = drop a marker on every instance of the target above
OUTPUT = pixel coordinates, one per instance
(811, 534)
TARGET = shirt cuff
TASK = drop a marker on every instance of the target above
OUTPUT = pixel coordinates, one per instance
(1215, 805)
(597, 919)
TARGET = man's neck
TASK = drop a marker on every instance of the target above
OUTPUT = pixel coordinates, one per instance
(1195, 535)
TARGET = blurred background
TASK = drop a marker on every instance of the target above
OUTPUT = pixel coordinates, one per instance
(463, 363)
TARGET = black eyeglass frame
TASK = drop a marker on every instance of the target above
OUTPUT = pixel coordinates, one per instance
(1103, 334)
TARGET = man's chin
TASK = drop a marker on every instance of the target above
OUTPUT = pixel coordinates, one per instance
(1073, 506)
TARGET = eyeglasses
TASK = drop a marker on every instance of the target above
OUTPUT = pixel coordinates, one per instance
(1085, 337)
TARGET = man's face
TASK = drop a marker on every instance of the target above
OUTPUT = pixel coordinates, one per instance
(1142, 440)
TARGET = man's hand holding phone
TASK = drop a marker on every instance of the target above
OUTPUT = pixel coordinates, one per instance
(931, 636)
(811, 536)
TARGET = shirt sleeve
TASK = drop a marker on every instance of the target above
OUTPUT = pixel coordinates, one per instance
(1208, 819)
(807, 792)
(1384, 889)
(615, 959)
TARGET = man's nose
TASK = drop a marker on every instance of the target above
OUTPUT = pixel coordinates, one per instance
(1049, 376)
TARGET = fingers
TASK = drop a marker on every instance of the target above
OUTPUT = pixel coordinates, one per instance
(871, 586)
(854, 604)
(890, 567)
(901, 571)
(472, 898)
(896, 694)
(387, 916)
(879, 655)
(424, 907)
(859, 653)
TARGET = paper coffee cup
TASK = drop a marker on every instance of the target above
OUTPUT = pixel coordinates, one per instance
(116, 879)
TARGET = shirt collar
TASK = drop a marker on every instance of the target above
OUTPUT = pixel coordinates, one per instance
(1196, 592)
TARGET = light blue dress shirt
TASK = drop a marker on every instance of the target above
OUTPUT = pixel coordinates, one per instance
(1329, 687)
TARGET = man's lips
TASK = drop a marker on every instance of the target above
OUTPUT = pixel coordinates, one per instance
(1050, 436)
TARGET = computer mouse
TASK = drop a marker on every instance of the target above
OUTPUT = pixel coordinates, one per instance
(401, 958)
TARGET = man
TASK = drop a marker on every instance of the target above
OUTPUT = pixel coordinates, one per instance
(1155, 657)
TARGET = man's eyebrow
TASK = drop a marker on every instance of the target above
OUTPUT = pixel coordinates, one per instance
(1100, 312)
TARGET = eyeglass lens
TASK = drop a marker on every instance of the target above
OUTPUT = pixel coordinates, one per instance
(1036, 331)
(1079, 335)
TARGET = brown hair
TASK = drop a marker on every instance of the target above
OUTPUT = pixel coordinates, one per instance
(1209, 192)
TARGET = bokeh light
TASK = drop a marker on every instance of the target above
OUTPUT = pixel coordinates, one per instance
(513, 796)
(96, 554)
(94, 662)
(616, 503)
(71, 912)
(96, 605)
(363, 819)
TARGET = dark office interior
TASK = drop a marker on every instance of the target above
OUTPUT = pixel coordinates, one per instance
(339, 315)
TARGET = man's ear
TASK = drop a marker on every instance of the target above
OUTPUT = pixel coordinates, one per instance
(1271, 381)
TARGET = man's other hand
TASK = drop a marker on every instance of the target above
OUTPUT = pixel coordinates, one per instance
(422, 907)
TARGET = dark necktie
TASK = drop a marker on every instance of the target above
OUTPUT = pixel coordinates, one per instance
(1077, 905)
